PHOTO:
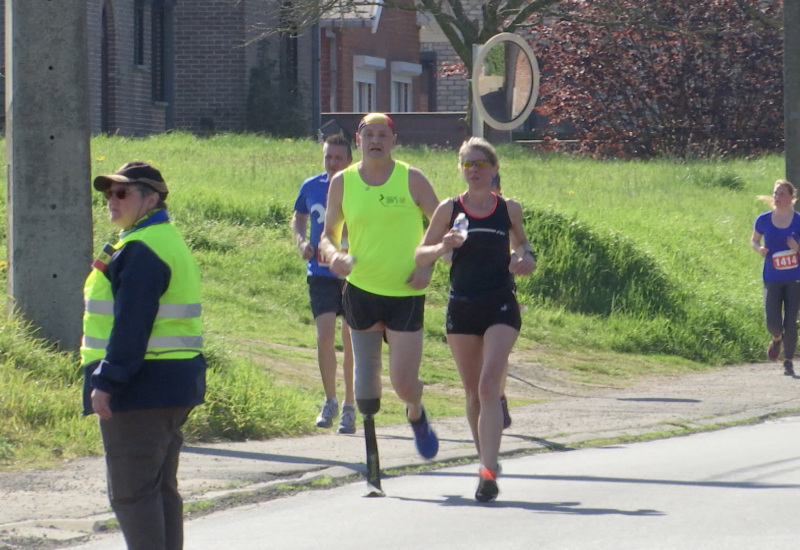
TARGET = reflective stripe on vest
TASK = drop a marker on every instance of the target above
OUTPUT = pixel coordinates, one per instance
(167, 344)
(173, 311)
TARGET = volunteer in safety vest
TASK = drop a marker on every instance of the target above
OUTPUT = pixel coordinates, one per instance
(142, 354)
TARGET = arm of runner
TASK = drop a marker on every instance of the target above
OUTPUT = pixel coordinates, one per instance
(424, 197)
(440, 238)
(422, 192)
(792, 243)
(299, 229)
(330, 242)
(755, 244)
(523, 260)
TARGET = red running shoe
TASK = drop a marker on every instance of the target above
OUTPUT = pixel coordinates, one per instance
(774, 349)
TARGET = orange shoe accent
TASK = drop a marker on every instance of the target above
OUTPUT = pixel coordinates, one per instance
(486, 473)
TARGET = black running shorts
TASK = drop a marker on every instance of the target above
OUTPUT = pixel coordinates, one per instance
(363, 309)
(475, 315)
(325, 294)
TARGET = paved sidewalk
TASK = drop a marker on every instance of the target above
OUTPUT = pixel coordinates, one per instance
(41, 507)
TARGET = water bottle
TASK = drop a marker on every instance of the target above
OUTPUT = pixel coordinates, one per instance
(461, 225)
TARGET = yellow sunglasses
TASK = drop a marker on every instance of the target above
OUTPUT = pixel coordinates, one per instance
(467, 164)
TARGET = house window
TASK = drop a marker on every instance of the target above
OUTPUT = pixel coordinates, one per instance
(401, 96)
(288, 52)
(138, 33)
(402, 74)
(364, 96)
(159, 75)
(365, 78)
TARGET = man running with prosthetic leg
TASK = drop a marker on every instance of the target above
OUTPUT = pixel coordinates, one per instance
(382, 201)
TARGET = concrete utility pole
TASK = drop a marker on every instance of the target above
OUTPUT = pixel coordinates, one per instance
(47, 138)
(791, 89)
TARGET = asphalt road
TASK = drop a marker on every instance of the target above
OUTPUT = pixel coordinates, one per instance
(729, 489)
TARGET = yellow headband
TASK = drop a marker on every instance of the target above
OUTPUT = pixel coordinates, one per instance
(376, 118)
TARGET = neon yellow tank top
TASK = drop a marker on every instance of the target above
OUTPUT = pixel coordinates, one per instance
(384, 226)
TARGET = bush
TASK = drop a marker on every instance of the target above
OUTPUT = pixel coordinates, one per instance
(664, 78)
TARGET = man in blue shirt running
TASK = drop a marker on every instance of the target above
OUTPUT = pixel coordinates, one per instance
(325, 288)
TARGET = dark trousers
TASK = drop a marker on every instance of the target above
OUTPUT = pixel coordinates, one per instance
(781, 304)
(142, 452)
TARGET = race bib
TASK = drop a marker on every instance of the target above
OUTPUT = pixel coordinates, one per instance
(786, 259)
(322, 261)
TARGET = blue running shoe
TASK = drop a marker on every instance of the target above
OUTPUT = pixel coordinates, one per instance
(424, 437)
(347, 422)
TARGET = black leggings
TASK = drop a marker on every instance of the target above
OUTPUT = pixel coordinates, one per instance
(781, 304)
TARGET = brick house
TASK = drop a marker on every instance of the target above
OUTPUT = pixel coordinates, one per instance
(370, 62)
(155, 65)
(162, 64)
(451, 91)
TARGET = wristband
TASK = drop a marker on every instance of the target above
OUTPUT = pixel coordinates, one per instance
(533, 255)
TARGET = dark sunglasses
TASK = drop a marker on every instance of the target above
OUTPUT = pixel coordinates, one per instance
(467, 164)
(119, 194)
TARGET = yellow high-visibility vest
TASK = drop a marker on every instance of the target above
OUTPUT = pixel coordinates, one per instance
(177, 330)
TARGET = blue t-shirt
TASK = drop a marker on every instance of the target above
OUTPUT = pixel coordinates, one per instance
(781, 263)
(312, 200)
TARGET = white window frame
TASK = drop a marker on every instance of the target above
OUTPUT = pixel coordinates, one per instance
(398, 105)
(365, 73)
(363, 104)
(403, 74)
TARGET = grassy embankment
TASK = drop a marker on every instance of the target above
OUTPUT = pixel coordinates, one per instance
(644, 268)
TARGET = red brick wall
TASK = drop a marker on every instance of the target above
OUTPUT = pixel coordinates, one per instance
(212, 66)
(325, 71)
(397, 39)
(134, 112)
(211, 73)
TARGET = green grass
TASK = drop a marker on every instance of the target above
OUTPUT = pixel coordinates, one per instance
(644, 268)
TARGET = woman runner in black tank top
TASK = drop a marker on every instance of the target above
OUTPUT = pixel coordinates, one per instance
(480, 265)
(483, 317)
